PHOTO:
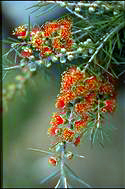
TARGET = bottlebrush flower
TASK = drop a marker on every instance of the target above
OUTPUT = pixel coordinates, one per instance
(21, 32)
(92, 83)
(65, 27)
(45, 51)
(56, 119)
(64, 99)
(53, 131)
(80, 90)
(50, 27)
(110, 105)
(68, 44)
(82, 108)
(70, 77)
(68, 135)
(52, 160)
(80, 124)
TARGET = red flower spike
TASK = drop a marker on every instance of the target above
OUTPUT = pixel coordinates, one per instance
(21, 32)
(80, 124)
(57, 119)
(110, 105)
(26, 53)
(60, 102)
(52, 131)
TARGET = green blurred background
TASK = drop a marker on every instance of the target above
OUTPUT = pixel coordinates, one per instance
(25, 125)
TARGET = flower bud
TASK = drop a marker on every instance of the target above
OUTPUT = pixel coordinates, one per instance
(52, 160)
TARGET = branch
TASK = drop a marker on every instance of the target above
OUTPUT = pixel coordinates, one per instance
(80, 16)
(101, 45)
(11, 68)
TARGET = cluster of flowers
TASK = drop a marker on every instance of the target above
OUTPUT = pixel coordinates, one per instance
(81, 94)
(47, 43)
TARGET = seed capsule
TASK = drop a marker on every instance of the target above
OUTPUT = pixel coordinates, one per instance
(77, 9)
(62, 59)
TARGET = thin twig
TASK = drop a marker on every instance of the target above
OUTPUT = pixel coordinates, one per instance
(12, 68)
(76, 32)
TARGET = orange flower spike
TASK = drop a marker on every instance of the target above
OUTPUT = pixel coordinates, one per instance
(49, 28)
(81, 108)
(65, 28)
(70, 77)
(69, 95)
(80, 90)
(67, 82)
(92, 83)
(64, 99)
(68, 135)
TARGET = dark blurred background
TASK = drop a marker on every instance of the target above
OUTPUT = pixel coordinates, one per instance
(26, 123)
